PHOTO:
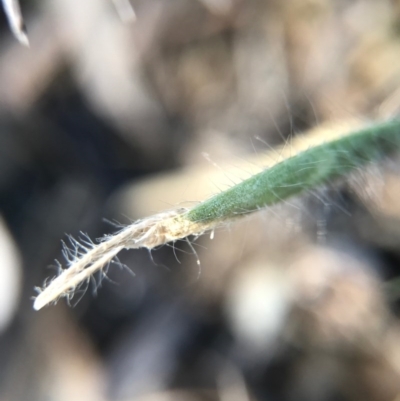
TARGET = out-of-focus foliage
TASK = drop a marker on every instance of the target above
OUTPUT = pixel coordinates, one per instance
(12, 10)
(107, 112)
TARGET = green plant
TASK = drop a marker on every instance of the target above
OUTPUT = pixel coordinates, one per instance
(318, 165)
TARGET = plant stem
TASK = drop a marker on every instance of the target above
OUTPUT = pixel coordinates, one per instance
(318, 165)
(322, 164)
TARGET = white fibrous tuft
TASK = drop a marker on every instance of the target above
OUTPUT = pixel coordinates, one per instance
(84, 257)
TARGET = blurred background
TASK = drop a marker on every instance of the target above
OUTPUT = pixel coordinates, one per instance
(111, 116)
